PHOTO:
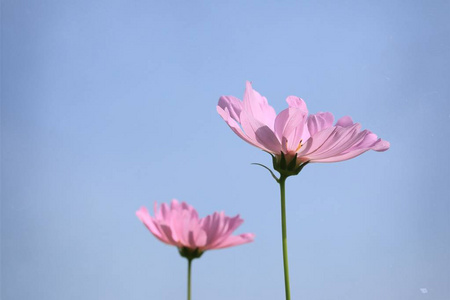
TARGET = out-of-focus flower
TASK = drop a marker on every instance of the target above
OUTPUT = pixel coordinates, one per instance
(292, 133)
(180, 226)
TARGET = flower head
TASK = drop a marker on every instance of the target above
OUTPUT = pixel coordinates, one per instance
(293, 133)
(180, 226)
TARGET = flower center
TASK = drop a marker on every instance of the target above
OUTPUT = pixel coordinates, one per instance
(299, 146)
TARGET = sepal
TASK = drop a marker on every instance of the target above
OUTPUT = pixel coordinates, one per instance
(285, 168)
(190, 253)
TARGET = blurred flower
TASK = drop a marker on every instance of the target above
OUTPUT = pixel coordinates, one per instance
(294, 134)
(180, 226)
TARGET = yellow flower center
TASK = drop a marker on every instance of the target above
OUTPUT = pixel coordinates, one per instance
(299, 146)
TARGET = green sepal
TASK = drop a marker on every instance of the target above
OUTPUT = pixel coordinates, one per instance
(282, 161)
(293, 163)
(190, 253)
(274, 160)
(299, 168)
(285, 169)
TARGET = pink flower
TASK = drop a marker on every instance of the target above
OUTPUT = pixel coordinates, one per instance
(180, 226)
(292, 133)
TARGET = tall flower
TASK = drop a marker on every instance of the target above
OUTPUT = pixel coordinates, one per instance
(179, 225)
(294, 139)
(294, 134)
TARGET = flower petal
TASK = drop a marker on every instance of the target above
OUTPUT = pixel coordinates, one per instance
(168, 235)
(236, 128)
(257, 106)
(319, 122)
(260, 133)
(222, 227)
(233, 104)
(344, 142)
(340, 140)
(315, 142)
(296, 102)
(290, 128)
(371, 142)
(235, 240)
(145, 218)
(345, 121)
(381, 145)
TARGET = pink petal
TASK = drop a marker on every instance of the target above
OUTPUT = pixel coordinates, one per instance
(186, 228)
(369, 140)
(381, 145)
(257, 106)
(180, 226)
(349, 144)
(158, 228)
(341, 140)
(315, 142)
(296, 102)
(337, 144)
(200, 239)
(233, 104)
(224, 232)
(226, 226)
(213, 226)
(236, 128)
(167, 235)
(342, 157)
(145, 218)
(260, 133)
(175, 205)
(290, 128)
(216, 228)
(372, 142)
(210, 225)
(164, 213)
(266, 137)
(345, 121)
(193, 213)
(319, 122)
(236, 240)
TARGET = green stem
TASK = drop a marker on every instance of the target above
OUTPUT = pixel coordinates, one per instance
(189, 280)
(282, 182)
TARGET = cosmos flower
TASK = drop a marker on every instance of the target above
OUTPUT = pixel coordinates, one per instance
(293, 133)
(294, 139)
(179, 225)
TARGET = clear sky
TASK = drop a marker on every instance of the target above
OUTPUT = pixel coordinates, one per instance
(111, 105)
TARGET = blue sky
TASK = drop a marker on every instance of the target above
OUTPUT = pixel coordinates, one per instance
(111, 105)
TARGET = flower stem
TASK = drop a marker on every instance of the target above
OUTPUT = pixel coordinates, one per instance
(189, 279)
(282, 182)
